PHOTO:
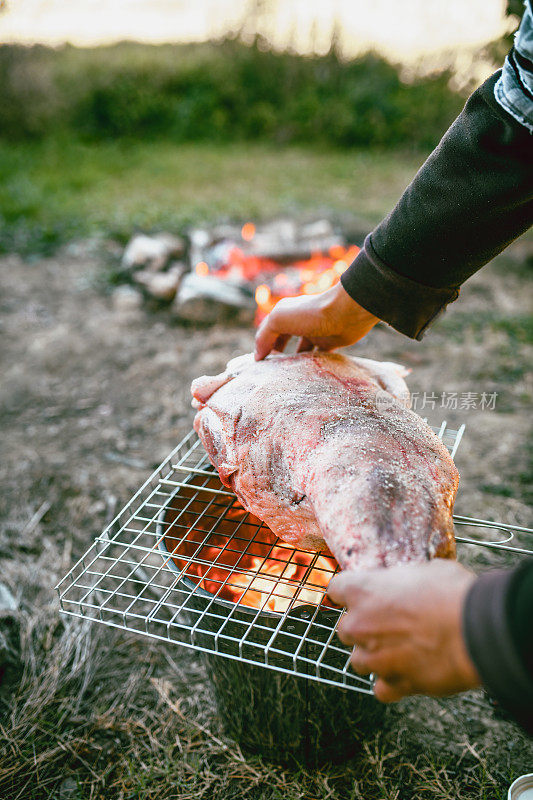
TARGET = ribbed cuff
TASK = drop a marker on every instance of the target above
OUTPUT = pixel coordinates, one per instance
(408, 306)
(520, 611)
(490, 645)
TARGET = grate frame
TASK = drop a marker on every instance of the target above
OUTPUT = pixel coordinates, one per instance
(127, 579)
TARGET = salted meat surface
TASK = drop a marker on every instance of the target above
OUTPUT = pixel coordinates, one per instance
(323, 448)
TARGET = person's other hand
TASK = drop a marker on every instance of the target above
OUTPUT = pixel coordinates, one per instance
(327, 321)
(406, 625)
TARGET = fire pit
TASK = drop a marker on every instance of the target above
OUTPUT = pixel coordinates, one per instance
(237, 273)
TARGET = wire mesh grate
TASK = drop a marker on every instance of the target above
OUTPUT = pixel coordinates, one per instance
(183, 562)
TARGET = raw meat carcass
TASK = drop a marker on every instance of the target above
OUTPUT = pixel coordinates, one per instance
(325, 450)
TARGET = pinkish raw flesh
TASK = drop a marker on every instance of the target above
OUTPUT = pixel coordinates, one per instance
(323, 448)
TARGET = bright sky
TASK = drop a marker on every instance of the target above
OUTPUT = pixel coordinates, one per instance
(402, 29)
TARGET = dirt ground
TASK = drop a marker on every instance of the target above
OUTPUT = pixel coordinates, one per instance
(92, 399)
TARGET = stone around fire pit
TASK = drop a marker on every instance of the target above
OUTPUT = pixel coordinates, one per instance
(152, 252)
(126, 299)
(161, 285)
(209, 300)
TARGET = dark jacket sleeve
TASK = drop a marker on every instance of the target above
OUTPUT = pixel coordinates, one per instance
(470, 199)
(498, 631)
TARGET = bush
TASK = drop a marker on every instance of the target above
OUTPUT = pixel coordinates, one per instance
(218, 92)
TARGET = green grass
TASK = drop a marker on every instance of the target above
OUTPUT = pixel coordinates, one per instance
(518, 328)
(56, 190)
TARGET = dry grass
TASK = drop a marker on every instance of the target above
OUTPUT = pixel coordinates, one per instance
(90, 400)
(99, 715)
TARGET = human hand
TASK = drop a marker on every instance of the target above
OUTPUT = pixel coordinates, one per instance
(406, 624)
(327, 321)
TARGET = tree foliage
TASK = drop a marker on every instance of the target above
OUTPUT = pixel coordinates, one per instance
(218, 92)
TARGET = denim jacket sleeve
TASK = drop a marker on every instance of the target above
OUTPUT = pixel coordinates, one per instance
(469, 200)
(514, 89)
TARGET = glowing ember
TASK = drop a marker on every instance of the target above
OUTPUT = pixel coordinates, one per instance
(248, 231)
(240, 560)
(262, 295)
(340, 267)
(201, 268)
(337, 251)
(310, 276)
(326, 280)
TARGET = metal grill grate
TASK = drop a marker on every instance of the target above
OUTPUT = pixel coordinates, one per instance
(184, 563)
